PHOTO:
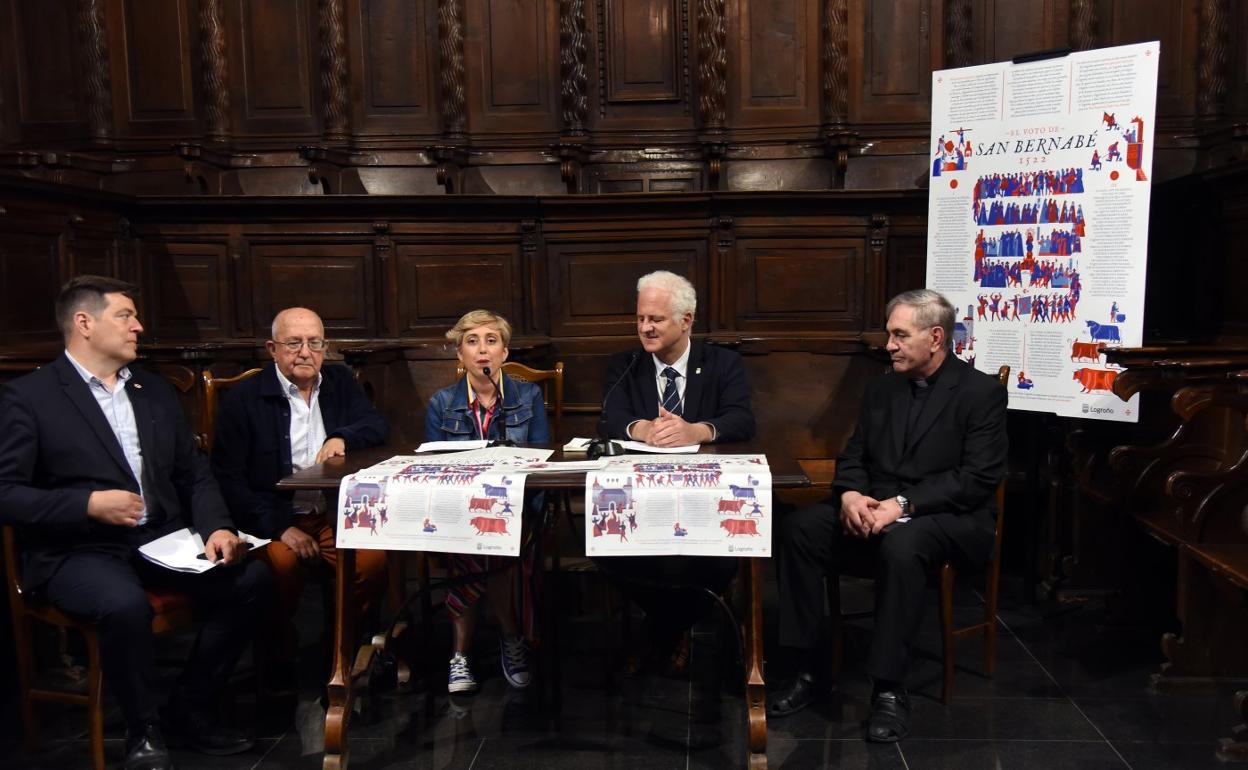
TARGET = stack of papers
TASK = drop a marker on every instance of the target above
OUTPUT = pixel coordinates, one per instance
(582, 444)
(183, 550)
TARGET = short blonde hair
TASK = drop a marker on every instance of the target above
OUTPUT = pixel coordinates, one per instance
(474, 318)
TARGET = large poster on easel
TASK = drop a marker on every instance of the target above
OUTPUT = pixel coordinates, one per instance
(1038, 219)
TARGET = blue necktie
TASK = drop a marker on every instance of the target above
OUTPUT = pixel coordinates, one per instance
(671, 396)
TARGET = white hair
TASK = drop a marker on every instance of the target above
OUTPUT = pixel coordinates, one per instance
(682, 296)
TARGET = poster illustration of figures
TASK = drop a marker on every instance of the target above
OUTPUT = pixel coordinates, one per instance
(697, 505)
(1038, 220)
(468, 502)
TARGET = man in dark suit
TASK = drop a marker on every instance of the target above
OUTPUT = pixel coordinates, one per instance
(95, 460)
(673, 392)
(913, 489)
(707, 399)
(294, 414)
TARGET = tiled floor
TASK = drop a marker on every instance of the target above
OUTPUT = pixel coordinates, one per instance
(1070, 691)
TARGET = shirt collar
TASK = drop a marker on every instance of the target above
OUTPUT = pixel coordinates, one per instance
(472, 394)
(290, 388)
(123, 373)
(681, 365)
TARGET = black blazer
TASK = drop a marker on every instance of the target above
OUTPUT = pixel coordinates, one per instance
(952, 463)
(56, 448)
(251, 443)
(716, 392)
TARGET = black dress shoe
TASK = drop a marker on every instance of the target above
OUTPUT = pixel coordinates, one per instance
(795, 695)
(889, 720)
(194, 729)
(146, 750)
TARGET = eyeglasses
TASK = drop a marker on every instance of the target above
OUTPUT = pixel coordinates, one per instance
(316, 345)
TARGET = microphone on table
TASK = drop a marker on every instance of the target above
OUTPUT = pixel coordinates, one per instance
(603, 446)
(500, 416)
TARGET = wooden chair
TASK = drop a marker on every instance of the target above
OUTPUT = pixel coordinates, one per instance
(992, 583)
(213, 387)
(946, 574)
(548, 379)
(172, 613)
(185, 382)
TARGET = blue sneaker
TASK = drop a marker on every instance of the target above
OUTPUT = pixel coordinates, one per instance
(460, 679)
(514, 652)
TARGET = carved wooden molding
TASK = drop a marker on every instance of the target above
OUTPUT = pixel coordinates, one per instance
(834, 58)
(1214, 57)
(573, 48)
(451, 58)
(334, 84)
(94, 42)
(212, 52)
(712, 64)
(1083, 25)
(958, 33)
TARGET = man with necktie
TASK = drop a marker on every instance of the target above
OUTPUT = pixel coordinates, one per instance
(674, 391)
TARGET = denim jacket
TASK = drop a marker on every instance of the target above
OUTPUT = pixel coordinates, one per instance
(524, 413)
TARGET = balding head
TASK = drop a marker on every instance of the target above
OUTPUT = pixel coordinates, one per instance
(298, 345)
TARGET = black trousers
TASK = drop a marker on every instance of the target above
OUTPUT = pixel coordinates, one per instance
(108, 589)
(811, 542)
(668, 588)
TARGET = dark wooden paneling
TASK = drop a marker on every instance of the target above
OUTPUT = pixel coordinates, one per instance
(1007, 29)
(514, 77)
(439, 283)
(1173, 23)
(643, 62)
(153, 49)
(393, 47)
(774, 62)
(43, 57)
(665, 177)
(593, 285)
(892, 58)
(29, 279)
(794, 284)
(336, 277)
(643, 51)
(188, 290)
(273, 67)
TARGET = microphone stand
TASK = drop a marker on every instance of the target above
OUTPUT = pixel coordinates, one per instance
(603, 446)
(500, 414)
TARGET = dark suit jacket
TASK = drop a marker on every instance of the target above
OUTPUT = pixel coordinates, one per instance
(56, 448)
(715, 392)
(953, 461)
(251, 443)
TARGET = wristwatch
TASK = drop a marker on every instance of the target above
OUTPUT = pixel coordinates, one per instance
(904, 504)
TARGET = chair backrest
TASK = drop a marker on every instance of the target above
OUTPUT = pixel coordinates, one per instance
(548, 379)
(184, 380)
(213, 388)
(1003, 377)
(12, 567)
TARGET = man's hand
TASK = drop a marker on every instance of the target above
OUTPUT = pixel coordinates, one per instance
(886, 513)
(858, 513)
(115, 506)
(334, 447)
(672, 430)
(303, 544)
(224, 547)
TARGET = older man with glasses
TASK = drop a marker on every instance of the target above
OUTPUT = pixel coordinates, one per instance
(294, 414)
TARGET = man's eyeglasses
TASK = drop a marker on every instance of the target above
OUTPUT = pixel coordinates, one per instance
(316, 346)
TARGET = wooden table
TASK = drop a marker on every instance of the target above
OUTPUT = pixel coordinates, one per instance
(785, 474)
